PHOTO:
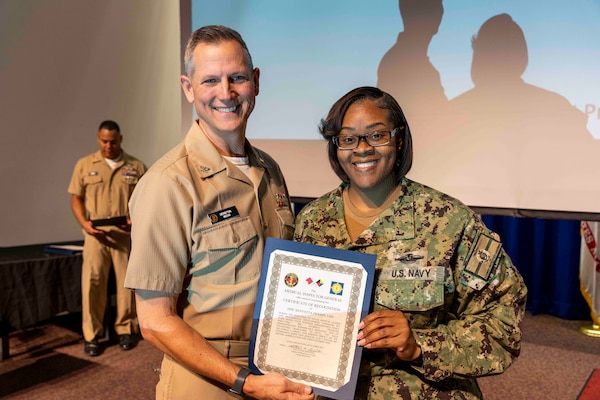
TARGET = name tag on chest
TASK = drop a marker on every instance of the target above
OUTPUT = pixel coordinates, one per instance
(412, 273)
(223, 215)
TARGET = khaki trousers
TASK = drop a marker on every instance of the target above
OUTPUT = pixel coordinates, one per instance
(177, 382)
(99, 253)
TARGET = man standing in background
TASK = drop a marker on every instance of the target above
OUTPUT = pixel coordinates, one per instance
(100, 188)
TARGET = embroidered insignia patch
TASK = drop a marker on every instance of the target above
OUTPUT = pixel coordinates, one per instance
(483, 256)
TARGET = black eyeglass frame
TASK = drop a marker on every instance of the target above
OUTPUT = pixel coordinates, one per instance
(366, 137)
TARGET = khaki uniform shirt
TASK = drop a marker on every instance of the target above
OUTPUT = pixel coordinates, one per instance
(199, 227)
(448, 273)
(106, 190)
(106, 193)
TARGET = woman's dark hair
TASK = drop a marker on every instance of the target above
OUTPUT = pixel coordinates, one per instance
(331, 126)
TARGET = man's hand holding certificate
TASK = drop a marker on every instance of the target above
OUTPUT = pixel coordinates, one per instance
(310, 302)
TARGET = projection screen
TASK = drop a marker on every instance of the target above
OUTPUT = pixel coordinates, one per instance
(502, 97)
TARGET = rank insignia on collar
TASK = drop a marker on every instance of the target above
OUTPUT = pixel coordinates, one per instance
(204, 168)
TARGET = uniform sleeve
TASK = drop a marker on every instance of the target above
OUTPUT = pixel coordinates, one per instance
(318, 223)
(299, 226)
(142, 168)
(161, 214)
(304, 225)
(490, 296)
(75, 184)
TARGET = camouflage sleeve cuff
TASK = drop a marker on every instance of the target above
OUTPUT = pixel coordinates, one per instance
(419, 363)
(431, 355)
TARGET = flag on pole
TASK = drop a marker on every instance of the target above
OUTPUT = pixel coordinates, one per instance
(589, 267)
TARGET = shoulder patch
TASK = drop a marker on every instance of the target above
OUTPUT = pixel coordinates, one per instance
(483, 256)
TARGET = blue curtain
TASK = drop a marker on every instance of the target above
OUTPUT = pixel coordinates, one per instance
(546, 252)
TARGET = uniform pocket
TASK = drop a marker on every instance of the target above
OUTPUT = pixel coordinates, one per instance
(129, 179)
(92, 179)
(286, 223)
(410, 288)
(226, 253)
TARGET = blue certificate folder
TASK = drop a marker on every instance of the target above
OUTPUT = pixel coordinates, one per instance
(315, 262)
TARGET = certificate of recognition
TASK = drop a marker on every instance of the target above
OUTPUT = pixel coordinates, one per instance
(309, 304)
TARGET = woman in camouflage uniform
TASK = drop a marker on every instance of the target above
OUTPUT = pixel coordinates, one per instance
(448, 300)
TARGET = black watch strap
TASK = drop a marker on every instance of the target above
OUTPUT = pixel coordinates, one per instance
(240, 379)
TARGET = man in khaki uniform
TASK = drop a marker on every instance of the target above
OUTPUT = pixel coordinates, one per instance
(200, 219)
(100, 188)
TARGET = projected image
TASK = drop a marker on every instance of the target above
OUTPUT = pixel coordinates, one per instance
(503, 97)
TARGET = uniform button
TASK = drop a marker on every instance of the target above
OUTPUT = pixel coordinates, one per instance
(235, 238)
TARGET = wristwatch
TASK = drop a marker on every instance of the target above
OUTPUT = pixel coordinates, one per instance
(238, 384)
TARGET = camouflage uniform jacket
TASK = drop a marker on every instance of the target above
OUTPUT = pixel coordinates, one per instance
(439, 264)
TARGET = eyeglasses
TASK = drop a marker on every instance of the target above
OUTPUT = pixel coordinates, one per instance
(374, 139)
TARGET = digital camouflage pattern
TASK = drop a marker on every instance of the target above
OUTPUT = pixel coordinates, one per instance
(439, 264)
